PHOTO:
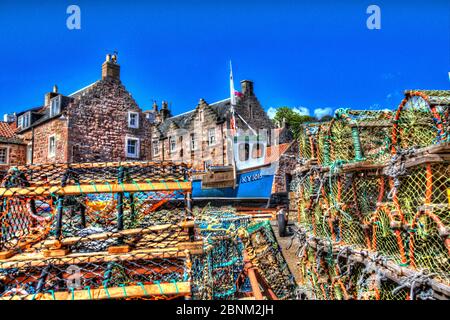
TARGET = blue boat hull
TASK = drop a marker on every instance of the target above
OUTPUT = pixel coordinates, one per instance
(255, 184)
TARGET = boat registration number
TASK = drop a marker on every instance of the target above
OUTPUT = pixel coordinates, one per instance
(251, 177)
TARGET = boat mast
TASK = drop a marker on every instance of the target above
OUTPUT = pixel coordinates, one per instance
(233, 128)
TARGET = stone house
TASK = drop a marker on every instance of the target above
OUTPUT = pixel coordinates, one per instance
(101, 122)
(12, 148)
(200, 137)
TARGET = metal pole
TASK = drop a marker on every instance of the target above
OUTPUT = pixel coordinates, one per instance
(120, 202)
(59, 217)
(83, 215)
(132, 207)
(252, 277)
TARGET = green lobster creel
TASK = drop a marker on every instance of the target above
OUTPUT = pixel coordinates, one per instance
(326, 150)
(357, 144)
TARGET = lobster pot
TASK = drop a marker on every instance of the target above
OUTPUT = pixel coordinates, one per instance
(323, 144)
(421, 120)
(374, 132)
(340, 141)
(91, 204)
(24, 220)
(423, 200)
(359, 135)
(304, 189)
(307, 140)
(133, 276)
(358, 196)
(265, 252)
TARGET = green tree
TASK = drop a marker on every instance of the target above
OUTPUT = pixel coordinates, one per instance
(293, 119)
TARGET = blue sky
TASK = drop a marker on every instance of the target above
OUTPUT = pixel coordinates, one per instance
(305, 55)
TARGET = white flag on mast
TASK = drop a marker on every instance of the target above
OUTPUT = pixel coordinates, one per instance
(232, 91)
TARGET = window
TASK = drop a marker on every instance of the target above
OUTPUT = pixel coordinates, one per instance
(155, 147)
(132, 147)
(29, 153)
(52, 146)
(3, 155)
(244, 151)
(173, 144)
(258, 151)
(250, 111)
(193, 142)
(55, 106)
(212, 136)
(207, 164)
(24, 120)
(201, 115)
(133, 120)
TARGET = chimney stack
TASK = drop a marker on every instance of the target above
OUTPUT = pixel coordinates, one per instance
(247, 88)
(165, 112)
(50, 95)
(9, 117)
(155, 107)
(110, 68)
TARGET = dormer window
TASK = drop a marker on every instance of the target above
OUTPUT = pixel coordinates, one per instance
(133, 120)
(55, 106)
(24, 121)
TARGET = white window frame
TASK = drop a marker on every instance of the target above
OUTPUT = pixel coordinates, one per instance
(57, 105)
(193, 142)
(21, 120)
(6, 156)
(155, 147)
(207, 164)
(51, 153)
(132, 113)
(29, 153)
(174, 140)
(213, 135)
(136, 155)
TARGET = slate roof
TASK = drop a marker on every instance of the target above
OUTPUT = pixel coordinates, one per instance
(182, 120)
(82, 91)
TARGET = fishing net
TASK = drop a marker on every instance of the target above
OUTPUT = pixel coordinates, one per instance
(105, 227)
(382, 189)
(422, 119)
(231, 243)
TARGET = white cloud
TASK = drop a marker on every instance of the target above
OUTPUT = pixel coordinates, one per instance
(301, 110)
(272, 112)
(321, 112)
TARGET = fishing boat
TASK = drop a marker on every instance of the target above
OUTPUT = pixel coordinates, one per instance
(250, 176)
